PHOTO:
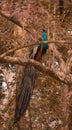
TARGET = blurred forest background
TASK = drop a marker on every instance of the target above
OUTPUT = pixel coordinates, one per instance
(21, 23)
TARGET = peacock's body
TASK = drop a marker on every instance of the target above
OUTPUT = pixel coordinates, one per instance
(40, 49)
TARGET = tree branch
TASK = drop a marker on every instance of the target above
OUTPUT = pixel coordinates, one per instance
(10, 18)
(37, 65)
(14, 20)
(30, 45)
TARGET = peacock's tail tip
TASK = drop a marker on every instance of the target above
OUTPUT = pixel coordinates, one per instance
(16, 119)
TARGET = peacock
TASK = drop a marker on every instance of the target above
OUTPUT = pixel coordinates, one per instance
(41, 49)
(28, 81)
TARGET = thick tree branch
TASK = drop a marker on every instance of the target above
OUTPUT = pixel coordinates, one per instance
(37, 65)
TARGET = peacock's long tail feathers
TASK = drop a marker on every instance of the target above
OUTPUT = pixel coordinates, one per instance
(26, 90)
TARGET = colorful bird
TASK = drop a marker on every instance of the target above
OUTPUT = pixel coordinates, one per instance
(28, 81)
(41, 49)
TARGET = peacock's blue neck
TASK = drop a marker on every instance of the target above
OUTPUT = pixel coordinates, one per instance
(45, 38)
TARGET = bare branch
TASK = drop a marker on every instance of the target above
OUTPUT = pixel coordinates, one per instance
(7, 16)
(37, 65)
(30, 45)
